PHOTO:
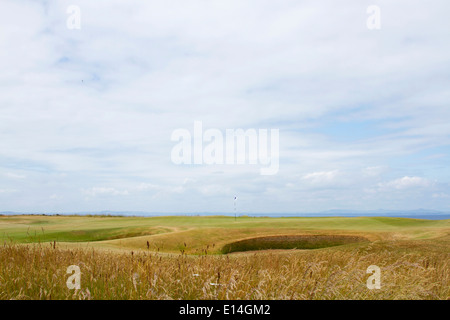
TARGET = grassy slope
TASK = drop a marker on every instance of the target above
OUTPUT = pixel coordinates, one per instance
(170, 234)
(412, 254)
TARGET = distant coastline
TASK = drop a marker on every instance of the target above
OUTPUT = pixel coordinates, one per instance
(413, 214)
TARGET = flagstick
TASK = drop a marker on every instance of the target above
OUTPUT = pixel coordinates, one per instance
(234, 208)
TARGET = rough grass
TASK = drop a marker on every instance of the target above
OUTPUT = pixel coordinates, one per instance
(290, 242)
(409, 270)
(140, 262)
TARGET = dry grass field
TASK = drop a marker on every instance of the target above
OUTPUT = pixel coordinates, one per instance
(184, 258)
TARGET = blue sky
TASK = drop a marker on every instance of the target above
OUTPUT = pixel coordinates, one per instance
(86, 115)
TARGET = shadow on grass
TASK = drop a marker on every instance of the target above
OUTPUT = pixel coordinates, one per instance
(291, 242)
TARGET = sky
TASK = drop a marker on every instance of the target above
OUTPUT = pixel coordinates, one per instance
(90, 98)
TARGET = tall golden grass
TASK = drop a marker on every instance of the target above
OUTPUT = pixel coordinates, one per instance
(409, 270)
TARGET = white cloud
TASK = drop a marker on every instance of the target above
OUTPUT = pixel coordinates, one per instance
(322, 177)
(14, 175)
(7, 190)
(374, 171)
(407, 182)
(214, 189)
(97, 106)
(441, 195)
(107, 191)
(147, 186)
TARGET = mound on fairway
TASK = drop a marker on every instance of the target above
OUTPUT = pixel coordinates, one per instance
(291, 242)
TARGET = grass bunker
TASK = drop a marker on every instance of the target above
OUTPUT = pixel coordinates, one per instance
(291, 242)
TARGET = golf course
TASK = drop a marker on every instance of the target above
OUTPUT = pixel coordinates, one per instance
(220, 257)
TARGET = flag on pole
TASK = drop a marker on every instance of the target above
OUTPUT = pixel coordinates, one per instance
(235, 208)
